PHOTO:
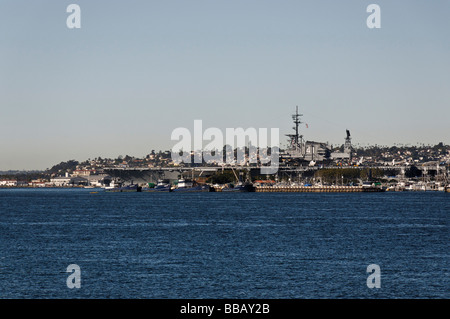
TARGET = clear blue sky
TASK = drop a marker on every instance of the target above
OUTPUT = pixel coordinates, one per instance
(136, 70)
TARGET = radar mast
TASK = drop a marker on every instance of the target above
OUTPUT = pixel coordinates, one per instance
(296, 140)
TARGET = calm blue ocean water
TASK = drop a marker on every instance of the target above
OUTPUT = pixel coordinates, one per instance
(219, 245)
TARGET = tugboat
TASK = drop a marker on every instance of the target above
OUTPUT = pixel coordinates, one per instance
(162, 186)
(190, 186)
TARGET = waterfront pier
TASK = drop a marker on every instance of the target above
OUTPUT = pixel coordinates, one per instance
(317, 189)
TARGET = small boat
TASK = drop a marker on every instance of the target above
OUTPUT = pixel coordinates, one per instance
(190, 186)
(241, 187)
(162, 186)
(126, 188)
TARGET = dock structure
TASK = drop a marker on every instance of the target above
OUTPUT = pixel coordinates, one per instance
(317, 189)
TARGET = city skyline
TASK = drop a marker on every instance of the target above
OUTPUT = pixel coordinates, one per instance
(137, 70)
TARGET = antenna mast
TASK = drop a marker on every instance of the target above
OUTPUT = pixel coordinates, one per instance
(296, 143)
(297, 122)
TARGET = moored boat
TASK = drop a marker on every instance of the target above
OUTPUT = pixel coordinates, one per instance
(241, 187)
(190, 186)
(125, 188)
(162, 186)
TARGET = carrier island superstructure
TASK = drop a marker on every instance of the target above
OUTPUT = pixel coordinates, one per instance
(299, 150)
